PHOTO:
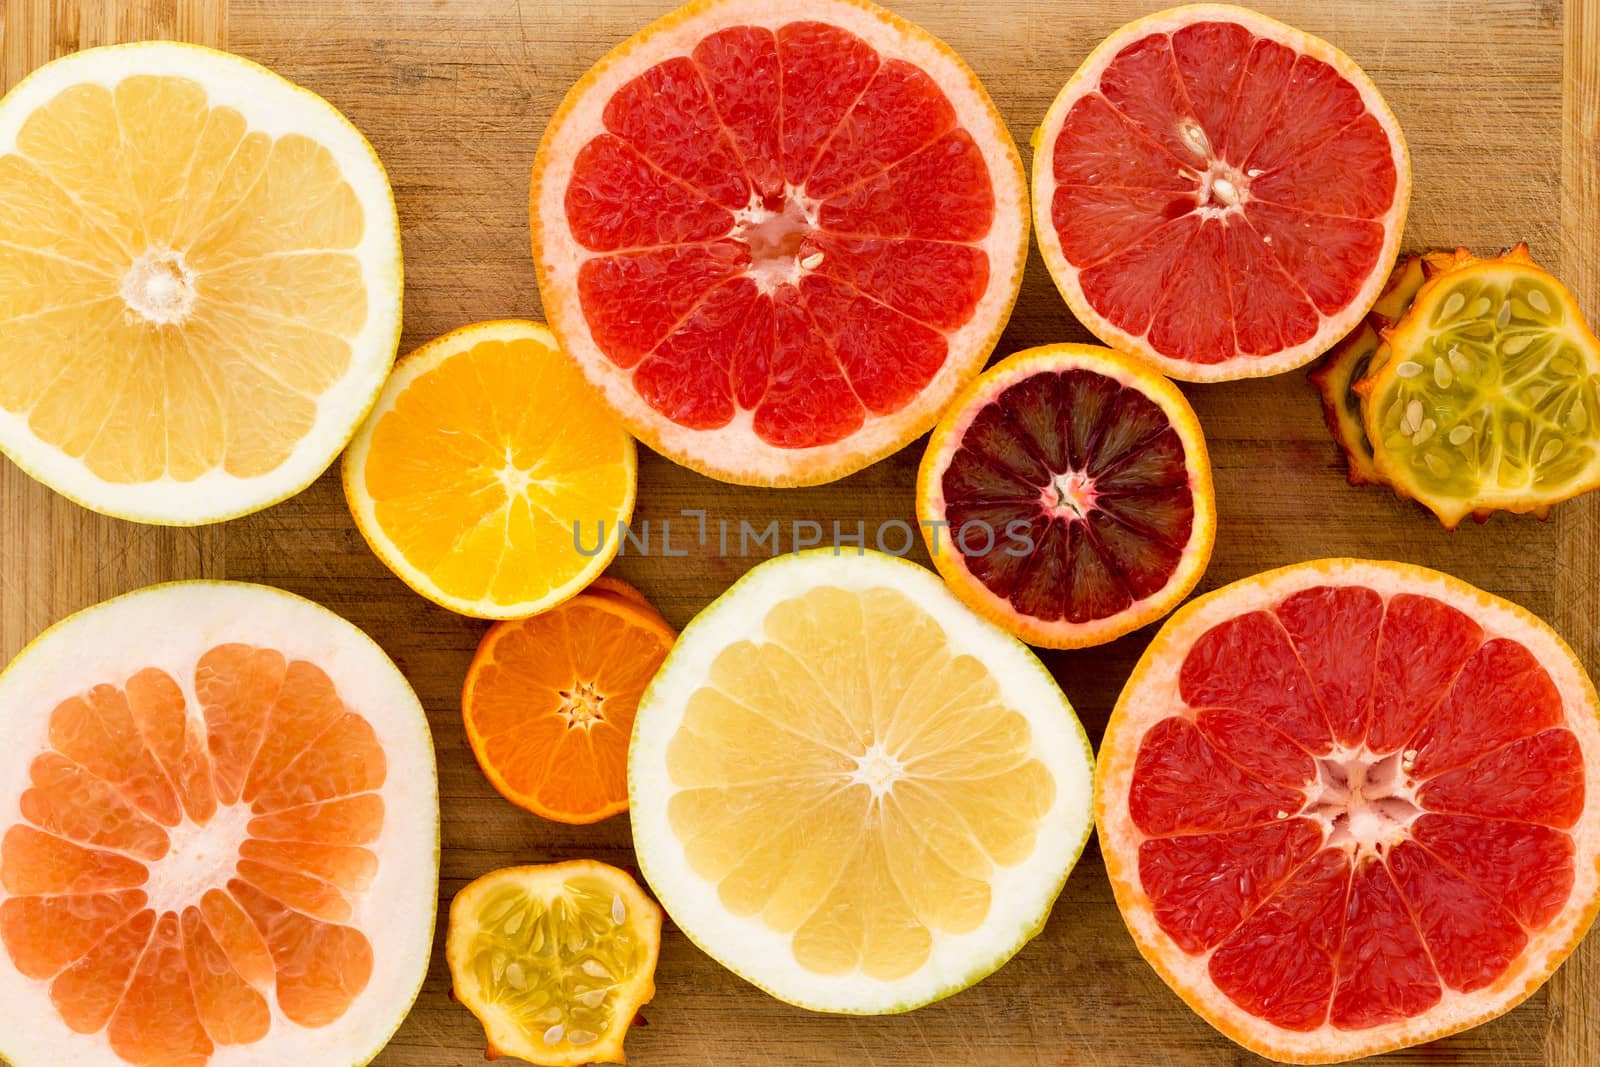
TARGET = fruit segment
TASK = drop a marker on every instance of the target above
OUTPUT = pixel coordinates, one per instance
(1219, 193)
(1365, 820)
(778, 244)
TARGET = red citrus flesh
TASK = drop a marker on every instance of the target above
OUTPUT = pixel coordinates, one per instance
(1359, 807)
(1096, 479)
(1073, 488)
(785, 231)
(285, 775)
(1224, 194)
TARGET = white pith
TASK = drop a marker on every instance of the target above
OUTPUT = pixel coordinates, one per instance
(1152, 695)
(734, 452)
(276, 107)
(169, 627)
(1021, 895)
(1212, 201)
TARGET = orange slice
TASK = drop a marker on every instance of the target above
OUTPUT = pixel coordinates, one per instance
(201, 278)
(549, 702)
(218, 828)
(490, 477)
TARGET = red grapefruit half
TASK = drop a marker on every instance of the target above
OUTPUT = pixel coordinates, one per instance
(778, 237)
(1219, 193)
(1350, 806)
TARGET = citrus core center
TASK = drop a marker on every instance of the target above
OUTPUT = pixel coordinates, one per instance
(774, 237)
(1365, 802)
(198, 858)
(878, 770)
(1070, 495)
(159, 287)
(583, 705)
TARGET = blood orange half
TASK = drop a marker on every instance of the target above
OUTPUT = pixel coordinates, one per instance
(1066, 496)
(218, 836)
(1219, 193)
(778, 237)
(1351, 806)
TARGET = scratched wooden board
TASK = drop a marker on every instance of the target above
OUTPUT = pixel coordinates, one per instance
(1500, 102)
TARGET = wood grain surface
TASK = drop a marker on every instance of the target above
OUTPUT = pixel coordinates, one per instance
(1500, 102)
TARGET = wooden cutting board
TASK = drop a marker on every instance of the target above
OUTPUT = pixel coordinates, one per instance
(1500, 101)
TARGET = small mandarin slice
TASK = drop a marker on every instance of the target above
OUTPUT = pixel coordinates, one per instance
(549, 701)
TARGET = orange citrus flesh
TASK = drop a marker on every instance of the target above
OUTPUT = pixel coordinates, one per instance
(549, 701)
(278, 800)
(555, 961)
(488, 470)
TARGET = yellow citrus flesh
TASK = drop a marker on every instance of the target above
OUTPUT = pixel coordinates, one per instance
(1488, 396)
(848, 742)
(485, 449)
(853, 791)
(554, 961)
(185, 294)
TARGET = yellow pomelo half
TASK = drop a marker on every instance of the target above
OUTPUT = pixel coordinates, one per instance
(853, 791)
(200, 281)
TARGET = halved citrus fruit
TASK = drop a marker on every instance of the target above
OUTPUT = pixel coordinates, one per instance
(1349, 361)
(1488, 393)
(851, 790)
(1350, 806)
(221, 835)
(490, 477)
(1066, 495)
(1219, 193)
(778, 238)
(199, 281)
(555, 961)
(549, 701)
